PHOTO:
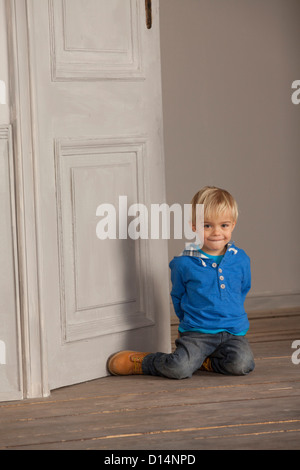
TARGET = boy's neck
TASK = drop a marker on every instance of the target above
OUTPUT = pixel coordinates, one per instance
(217, 253)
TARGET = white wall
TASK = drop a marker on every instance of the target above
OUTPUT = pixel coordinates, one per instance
(229, 121)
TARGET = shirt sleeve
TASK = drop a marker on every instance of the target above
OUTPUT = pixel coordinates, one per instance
(178, 289)
(247, 278)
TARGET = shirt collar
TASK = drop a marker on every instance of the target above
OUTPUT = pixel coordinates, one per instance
(191, 249)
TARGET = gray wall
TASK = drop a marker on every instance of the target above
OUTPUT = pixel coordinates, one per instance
(229, 121)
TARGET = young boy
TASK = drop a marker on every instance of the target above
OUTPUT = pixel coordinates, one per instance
(209, 287)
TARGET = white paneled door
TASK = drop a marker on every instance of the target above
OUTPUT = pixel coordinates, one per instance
(90, 70)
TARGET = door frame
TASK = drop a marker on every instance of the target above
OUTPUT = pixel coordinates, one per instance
(33, 336)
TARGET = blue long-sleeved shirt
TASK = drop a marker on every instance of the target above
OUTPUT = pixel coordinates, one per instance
(208, 297)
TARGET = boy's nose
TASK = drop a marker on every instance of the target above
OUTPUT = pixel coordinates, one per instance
(216, 231)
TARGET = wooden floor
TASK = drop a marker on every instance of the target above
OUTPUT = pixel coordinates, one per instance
(208, 411)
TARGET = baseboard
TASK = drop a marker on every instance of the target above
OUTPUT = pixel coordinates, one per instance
(267, 302)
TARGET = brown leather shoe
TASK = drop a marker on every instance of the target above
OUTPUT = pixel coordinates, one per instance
(126, 363)
(207, 365)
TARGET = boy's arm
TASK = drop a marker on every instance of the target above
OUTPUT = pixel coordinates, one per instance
(178, 289)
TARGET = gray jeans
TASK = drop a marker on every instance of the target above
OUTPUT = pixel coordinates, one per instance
(229, 354)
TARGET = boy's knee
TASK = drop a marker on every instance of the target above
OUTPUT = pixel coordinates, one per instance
(240, 366)
(178, 372)
(172, 366)
(235, 363)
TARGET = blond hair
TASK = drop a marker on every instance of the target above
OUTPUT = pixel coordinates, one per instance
(216, 201)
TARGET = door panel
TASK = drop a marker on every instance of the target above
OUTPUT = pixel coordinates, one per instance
(102, 288)
(97, 134)
(100, 40)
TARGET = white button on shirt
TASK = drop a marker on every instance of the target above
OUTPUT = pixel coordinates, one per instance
(214, 265)
(223, 286)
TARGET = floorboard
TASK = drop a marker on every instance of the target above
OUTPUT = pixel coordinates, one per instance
(208, 411)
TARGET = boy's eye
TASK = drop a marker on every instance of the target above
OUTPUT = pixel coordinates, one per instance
(206, 225)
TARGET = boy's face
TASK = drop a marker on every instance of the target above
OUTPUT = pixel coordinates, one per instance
(217, 233)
